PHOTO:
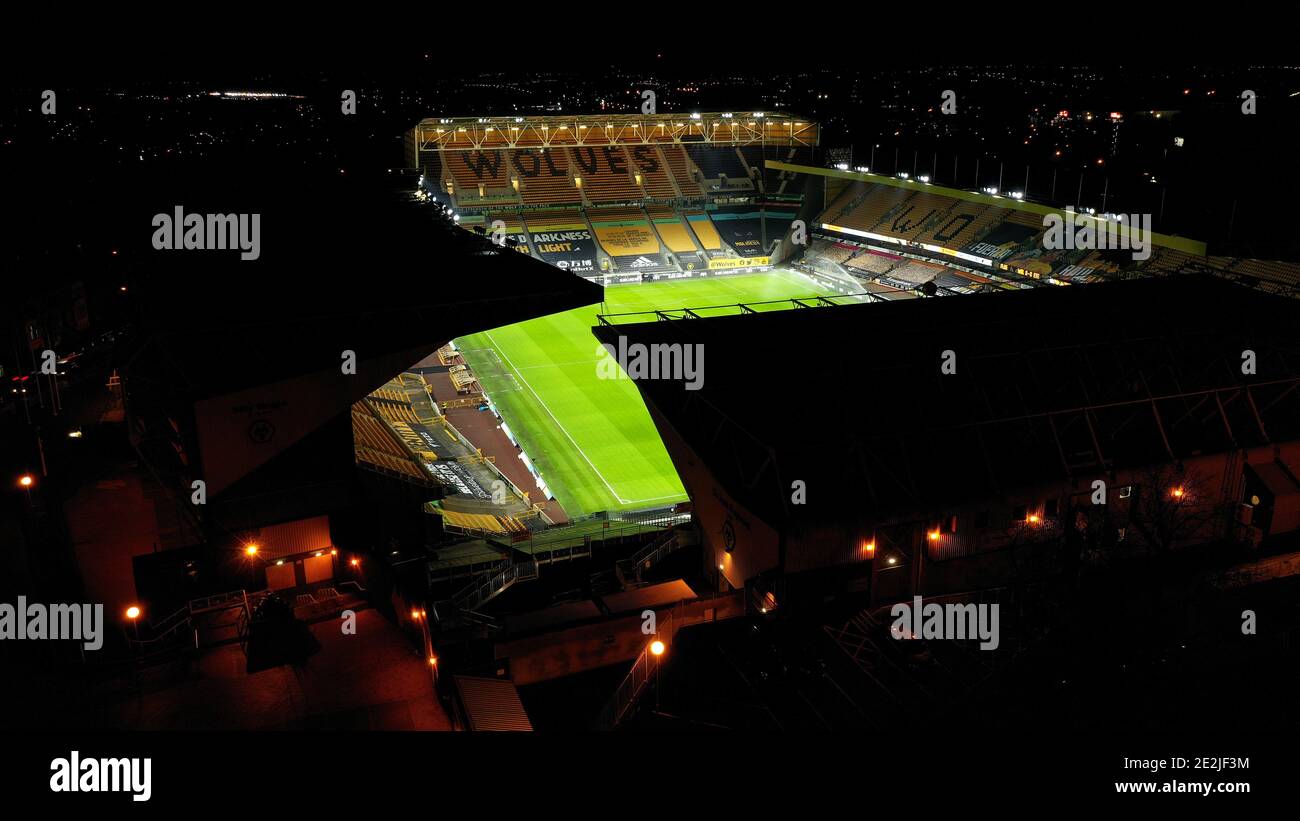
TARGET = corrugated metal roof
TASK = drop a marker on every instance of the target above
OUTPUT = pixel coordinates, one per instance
(492, 704)
(291, 538)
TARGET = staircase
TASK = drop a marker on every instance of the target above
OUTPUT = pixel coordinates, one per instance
(481, 592)
(650, 555)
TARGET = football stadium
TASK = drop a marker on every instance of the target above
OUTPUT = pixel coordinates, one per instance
(681, 210)
(692, 215)
(860, 389)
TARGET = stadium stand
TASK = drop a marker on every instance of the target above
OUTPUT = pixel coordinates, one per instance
(481, 177)
(888, 292)
(606, 173)
(917, 212)
(1166, 261)
(682, 170)
(391, 410)
(1025, 218)
(873, 263)
(563, 239)
(913, 272)
(790, 184)
(964, 222)
(715, 161)
(515, 236)
(676, 237)
(627, 237)
(431, 166)
(868, 208)
(481, 522)
(543, 177)
(1287, 273)
(831, 251)
(707, 235)
(649, 163)
(375, 445)
(742, 228)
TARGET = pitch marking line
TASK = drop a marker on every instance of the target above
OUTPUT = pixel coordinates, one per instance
(531, 390)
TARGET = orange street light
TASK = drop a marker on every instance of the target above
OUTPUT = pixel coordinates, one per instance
(869, 548)
(433, 661)
(657, 647)
(934, 535)
(251, 549)
(133, 612)
(25, 481)
(1032, 518)
(1178, 492)
(415, 615)
(355, 562)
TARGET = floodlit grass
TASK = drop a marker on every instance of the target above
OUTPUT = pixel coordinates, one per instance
(592, 439)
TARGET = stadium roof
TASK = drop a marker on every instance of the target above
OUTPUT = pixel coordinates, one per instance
(343, 266)
(1051, 384)
(728, 128)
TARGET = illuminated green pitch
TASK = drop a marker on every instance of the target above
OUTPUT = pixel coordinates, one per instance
(592, 438)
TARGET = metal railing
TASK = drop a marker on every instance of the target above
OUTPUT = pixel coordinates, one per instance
(653, 553)
(646, 665)
(644, 669)
(479, 593)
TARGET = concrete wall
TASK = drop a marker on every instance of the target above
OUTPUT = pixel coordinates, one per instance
(573, 650)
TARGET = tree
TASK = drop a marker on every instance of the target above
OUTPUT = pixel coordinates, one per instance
(1171, 504)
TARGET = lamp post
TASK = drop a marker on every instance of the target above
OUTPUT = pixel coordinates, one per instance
(133, 616)
(656, 652)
